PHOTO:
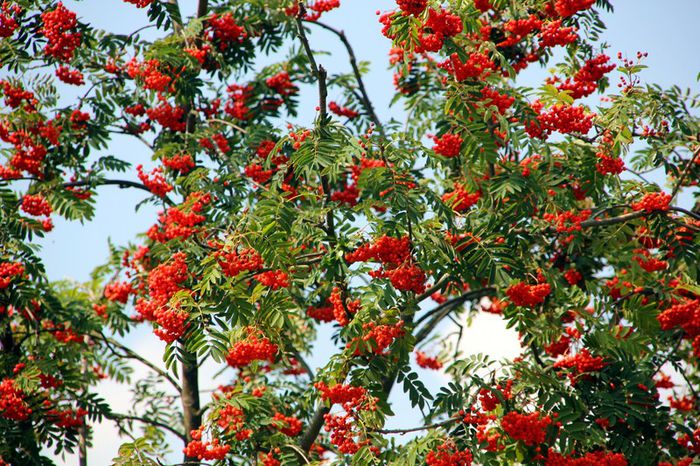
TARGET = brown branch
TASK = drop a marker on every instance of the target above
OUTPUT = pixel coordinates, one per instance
(449, 304)
(414, 429)
(152, 422)
(202, 8)
(130, 354)
(120, 183)
(688, 166)
(612, 220)
(367, 103)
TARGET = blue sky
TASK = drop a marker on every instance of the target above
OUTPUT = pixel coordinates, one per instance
(666, 30)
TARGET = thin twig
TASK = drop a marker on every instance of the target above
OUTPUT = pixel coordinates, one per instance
(367, 103)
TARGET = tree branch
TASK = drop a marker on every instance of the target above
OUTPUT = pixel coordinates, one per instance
(129, 353)
(366, 102)
(414, 429)
(153, 422)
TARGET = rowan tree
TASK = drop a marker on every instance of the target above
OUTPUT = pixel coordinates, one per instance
(489, 197)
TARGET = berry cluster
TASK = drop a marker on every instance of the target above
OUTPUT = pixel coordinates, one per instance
(447, 454)
(232, 420)
(478, 65)
(553, 34)
(492, 97)
(531, 429)
(385, 249)
(8, 271)
(581, 362)
(150, 74)
(282, 84)
(255, 347)
(58, 26)
(140, 3)
(274, 279)
(343, 310)
(234, 262)
(518, 29)
(181, 221)
(163, 282)
(585, 81)
(461, 199)
(288, 425)
(342, 111)
(205, 450)
(321, 313)
(566, 8)
(448, 145)
(154, 181)
(223, 31)
(602, 458)
(12, 404)
(36, 204)
(70, 76)
(118, 291)
(439, 26)
(412, 7)
(379, 337)
(181, 163)
(522, 294)
(168, 116)
(8, 23)
(653, 202)
(562, 118)
(427, 362)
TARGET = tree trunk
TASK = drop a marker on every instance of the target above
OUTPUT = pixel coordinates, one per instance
(192, 417)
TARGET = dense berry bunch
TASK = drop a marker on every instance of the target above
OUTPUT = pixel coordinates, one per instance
(255, 347)
(234, 262)
(321, 313)
(609, 165)
(154, 181)
(342, 111)
(553, 34)
(380, 337)
(288, 425)
(461, 199)
(8, 22)
(385, 249)
(180, 221)
(598, 458)
(564, 119)
(412, 7)
(566, 8)
(448, 145)
(36, 204)
(448, 454)
(140, 3)
(168, 116)
(341, 394)
(427, 362)
(522, 294)
(494, 98)
(205, 450)
(282, 84)
(531, 429)
(8, 271)
(653, 202)
(232, 420)
(343, 310)
(12, 404)
(585, 81)
(150, 73)
(274, 279)
(181, 163)
(118, 291)
(477, 65)
(581, 362)
(70, 76)
(58, 26)
(223, 30)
